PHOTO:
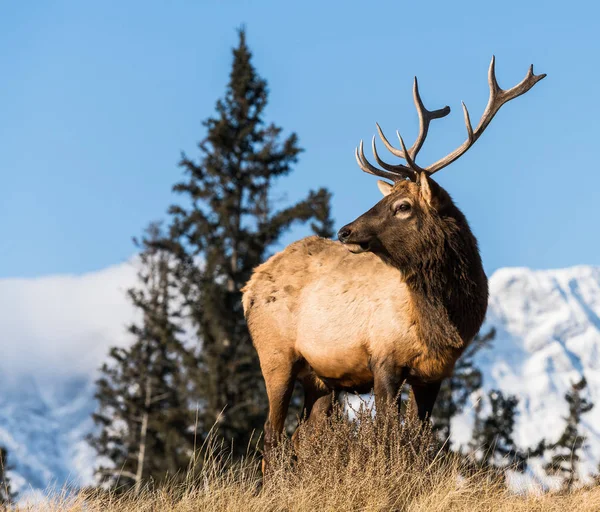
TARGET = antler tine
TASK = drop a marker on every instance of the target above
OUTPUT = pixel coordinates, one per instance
(425, 117)
(411, 163)
(406, 172)
(498, 97)
(367, 167)
(468, 122)
(394, 151)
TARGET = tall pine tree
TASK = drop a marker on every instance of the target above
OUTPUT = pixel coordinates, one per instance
(567, 450)
(456, 390)
(7, 497)
(225, 227)
(144, 414)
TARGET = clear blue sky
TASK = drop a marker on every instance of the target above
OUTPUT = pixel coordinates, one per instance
(97, 99)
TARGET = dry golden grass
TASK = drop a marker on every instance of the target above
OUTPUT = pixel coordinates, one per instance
(371, 465)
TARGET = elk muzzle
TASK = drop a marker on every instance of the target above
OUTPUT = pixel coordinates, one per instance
(352, 239)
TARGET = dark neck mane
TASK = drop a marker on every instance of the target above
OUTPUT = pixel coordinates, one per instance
(449, 287)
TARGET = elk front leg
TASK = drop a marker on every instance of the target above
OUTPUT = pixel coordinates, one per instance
(279, 381)
(425, 396)
(388, 379)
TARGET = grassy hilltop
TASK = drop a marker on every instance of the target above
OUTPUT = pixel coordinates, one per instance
(382, 464)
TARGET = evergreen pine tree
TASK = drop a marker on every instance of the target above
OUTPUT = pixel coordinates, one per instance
(567, 449)
(493, 436)
(226, 227)
(456, 390)
(144, 414)
(6, 495)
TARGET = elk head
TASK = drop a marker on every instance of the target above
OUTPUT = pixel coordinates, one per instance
(404, 224)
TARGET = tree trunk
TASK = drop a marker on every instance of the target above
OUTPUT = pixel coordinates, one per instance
(143, 435)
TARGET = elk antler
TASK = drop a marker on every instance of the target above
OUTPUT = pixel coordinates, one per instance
(498, 97)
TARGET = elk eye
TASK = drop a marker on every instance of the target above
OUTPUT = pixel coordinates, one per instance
(402, 207)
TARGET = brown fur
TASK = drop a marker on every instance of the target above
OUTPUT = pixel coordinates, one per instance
(403, 308)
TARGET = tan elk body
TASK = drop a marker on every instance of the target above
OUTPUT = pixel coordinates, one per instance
(397, 299)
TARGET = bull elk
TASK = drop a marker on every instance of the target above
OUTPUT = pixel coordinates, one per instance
(397, 299)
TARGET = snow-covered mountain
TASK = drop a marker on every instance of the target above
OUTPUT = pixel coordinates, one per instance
(54, 334)
(56, 331)
(548, 336)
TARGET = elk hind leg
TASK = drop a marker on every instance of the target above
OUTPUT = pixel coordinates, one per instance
(318, 402)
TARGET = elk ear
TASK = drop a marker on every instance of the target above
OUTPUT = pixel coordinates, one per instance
(425, 188)
(384, 187)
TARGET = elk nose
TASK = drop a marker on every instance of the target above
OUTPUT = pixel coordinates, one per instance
(344, 234)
